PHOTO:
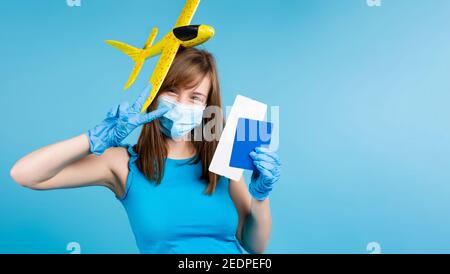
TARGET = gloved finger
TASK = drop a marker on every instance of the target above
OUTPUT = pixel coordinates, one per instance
(148, 117)
(113, 111)
(266, 165)
(123, 108)
(264, 172)
(265, 157)
(273, 169)
(266, 151)
(139, 103)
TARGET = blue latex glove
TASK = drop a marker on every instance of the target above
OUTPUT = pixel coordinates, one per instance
(268, 172)
(120, 121)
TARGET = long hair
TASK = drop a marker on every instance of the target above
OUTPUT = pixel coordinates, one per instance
(189, 68)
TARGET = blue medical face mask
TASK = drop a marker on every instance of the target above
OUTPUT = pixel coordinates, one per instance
(181, 119)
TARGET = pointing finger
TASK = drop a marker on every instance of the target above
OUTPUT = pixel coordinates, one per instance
(139, 103)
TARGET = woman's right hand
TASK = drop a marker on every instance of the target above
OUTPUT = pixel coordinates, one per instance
(120, 121)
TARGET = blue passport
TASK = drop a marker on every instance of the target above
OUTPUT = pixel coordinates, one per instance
(249, 135)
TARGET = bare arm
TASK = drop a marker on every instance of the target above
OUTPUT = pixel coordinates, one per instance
(69, 164)
(255, 221)
(66, 164)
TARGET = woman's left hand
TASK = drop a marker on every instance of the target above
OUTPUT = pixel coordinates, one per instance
(268, 167)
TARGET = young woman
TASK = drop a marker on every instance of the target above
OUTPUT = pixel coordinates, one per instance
(174, 204)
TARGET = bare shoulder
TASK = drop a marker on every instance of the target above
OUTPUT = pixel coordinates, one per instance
(117, 159)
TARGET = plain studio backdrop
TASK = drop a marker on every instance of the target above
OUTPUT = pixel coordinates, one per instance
(363, 92)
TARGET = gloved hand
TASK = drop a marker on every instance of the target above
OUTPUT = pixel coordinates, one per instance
(120, 121)
(268, 172)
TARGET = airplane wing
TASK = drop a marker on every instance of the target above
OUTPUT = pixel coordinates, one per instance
(162, 68)
(188, 13)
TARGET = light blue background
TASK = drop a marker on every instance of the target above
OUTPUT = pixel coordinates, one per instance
(364, 115)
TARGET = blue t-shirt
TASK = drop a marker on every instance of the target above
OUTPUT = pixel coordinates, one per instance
(176, 216)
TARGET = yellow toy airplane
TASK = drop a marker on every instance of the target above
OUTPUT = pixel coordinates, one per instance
(182, 35)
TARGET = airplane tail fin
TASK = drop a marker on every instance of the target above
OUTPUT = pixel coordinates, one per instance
(138, 55)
